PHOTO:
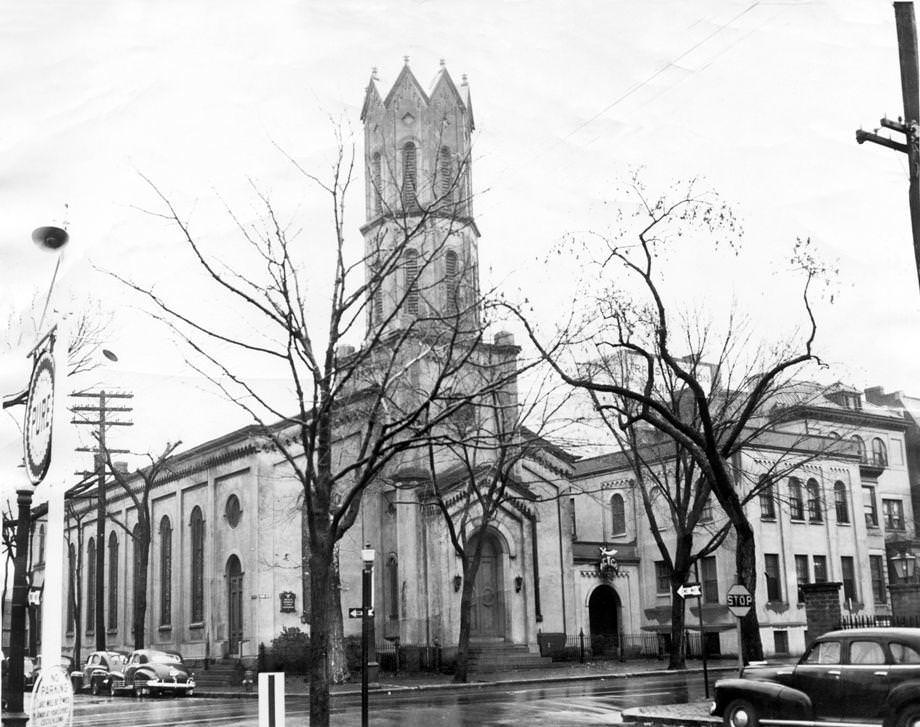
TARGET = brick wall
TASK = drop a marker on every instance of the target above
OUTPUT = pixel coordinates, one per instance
(905, 599)
(822, 608)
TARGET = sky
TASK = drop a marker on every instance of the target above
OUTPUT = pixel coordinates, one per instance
(102, 100)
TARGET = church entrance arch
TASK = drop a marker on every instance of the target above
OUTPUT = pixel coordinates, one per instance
(234, 603)
(604, 620)
(487, 615)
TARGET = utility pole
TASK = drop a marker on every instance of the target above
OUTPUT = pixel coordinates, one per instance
(908, 125)
(100, 409)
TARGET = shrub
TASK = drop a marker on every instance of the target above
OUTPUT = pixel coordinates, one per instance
(290, 650)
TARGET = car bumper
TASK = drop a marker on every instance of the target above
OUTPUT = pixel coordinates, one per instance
(170, 685)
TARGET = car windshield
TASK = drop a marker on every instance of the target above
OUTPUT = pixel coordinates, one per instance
(162, 657)
(117, 659)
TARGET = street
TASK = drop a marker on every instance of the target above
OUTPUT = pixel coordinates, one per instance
(537, 705)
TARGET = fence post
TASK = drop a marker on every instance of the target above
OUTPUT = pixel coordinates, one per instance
(620, 650)
(581, 639)
(396, 642)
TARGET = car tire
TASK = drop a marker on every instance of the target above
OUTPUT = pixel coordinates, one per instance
(140, 683)
(740, 713)
(112, 690)
(909, 716)
(94, 688)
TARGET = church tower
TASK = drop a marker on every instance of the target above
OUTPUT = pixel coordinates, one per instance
(420, 237)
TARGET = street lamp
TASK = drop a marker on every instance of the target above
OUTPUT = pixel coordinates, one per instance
(367, 627)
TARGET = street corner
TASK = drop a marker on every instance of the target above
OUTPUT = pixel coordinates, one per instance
(692, 713)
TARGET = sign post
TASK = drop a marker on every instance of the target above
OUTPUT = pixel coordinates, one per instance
(271, 699)
(694, 590)
(739, 601)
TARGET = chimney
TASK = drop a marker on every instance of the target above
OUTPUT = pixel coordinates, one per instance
(504, 338)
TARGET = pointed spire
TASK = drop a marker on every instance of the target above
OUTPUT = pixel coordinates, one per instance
(406, 60)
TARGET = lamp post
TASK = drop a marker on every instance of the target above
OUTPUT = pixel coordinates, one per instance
(368, 649)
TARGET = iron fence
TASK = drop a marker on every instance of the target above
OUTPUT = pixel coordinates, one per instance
(865, 621)
(622, 646)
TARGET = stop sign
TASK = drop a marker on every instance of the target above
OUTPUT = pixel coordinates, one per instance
(739, 600)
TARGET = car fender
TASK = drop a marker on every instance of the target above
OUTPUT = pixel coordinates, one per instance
(771, 698)
(905, 693)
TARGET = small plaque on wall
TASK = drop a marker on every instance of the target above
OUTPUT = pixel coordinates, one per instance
(288, 601)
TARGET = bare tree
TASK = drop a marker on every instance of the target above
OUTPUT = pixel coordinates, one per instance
(474, 467)
(641, 326)
(356, 410)
(137, 487)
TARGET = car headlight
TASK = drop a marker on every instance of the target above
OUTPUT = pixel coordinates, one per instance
(173, 672)
(712, 708)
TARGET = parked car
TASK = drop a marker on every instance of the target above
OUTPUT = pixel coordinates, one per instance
(96, 673)
(868, 675)
(150, 671)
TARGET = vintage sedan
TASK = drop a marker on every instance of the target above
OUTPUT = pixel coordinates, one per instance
(867, 676)
(96, 674)
(150, 672)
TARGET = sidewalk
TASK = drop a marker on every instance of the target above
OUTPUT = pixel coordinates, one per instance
(296, 685)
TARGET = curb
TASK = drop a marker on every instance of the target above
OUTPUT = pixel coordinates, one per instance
(637, 716)
(466, 686)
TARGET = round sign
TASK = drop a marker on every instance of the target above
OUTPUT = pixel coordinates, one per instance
(739, 600)
(39, 418)
(52, 699)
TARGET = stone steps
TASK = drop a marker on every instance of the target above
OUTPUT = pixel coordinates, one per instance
(497, 656)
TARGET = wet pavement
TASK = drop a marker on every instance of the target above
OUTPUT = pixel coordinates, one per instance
(587, 699)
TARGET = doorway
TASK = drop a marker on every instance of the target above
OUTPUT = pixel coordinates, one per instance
(604, 620)
(234, 604)
(487, 617)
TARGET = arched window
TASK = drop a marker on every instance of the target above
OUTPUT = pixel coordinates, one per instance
(165, 572)
(393, 587)
(767, 498)
(376, 181)
(71, 586)
(450, 279)
(840, 502)
(409, 176)
(410, 267)
(860, 447)
(197, 526)
(879, 453)
(113, 582)
(617, 515)
(796, 504)
(815, 514)
(90, 586)
(41, 543)
(445, 175)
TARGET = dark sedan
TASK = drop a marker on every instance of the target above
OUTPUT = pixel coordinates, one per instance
(871, 676)
(96, 675)
(150, 672)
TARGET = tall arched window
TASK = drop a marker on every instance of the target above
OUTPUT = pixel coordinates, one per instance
(409, 176)
(165, 572)
(113, 582)
(41, 543)
(879, 453)
(197, 527)
(860, 447)
(393, 587)
(840, 502)
(815, 514)
(450, 279)
(617, 515)
(410, 267)
(767, 498)
(90, 586)
(796, 503)
(376, 181)
(71, 586)
(445, 174)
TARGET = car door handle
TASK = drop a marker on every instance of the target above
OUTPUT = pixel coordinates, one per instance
(834, 672)
(880, 673)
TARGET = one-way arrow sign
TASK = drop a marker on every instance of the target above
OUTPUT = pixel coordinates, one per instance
(690, 590)
(359, 612)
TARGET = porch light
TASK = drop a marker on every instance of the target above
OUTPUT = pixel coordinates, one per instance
(905, 565)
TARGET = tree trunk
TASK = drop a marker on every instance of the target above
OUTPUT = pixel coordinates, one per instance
(678, 656)
(140, 589)
(470, 569)
(338, 664)
(320, 585)
(746, 564)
